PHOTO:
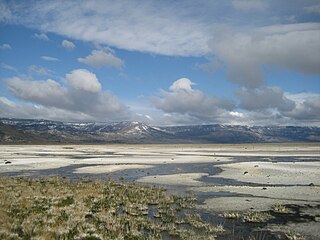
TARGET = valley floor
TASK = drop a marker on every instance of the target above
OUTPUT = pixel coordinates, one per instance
(227, 179)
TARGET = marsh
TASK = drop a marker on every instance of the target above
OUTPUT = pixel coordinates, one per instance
(246, 181)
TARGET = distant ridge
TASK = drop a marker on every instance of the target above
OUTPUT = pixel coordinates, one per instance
(46, 131)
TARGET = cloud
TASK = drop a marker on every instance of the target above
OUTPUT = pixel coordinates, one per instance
(148, 26)
(82, 79)
(264, 98)
(102, 58)
(32, 111)
(46, 92)
(182, 84)
(272, 106)
(5, 13)
(184, 100)
(82, 96)
(155, 26)
(39, 70)
(312, 9)
(50, 59)
(307, 107)
(289, 46)
(67, 44)
(211, 66)
(8, 67)
(5, 46)
(248, 5)
(42, 36)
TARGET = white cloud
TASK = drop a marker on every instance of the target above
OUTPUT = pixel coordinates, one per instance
(5, 46)
(39, 70)
(8, 67)
(291, 46)
(155, 26)
(87, 101)
(42, 36)
(312, 9)
(148, 26)
(182, 84)
(82, 79)
(50, 59)
(184, 101)
(102, 58)
(237, 114)
(67, 44)
(248, 5)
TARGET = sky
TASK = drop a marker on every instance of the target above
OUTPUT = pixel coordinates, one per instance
(242, 62)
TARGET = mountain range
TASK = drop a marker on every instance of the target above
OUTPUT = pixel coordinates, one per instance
(29, 131)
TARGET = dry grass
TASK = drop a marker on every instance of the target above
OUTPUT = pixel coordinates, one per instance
(256, 217)
(55, 208)
(278, 208)
(294, 236)
(231, 215)
(250, 217)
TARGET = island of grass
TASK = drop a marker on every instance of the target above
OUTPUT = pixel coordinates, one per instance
(56, 208)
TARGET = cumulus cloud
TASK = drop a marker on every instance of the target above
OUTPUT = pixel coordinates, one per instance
(264, 98)
(307, 107)
(241, 46)
(50, 59)
(182, 99)
(272, 106)
(11, 109)
(182, 84)
(82, 96)
(82, 79)
(5, 46)
(102, 58)
(46, 92)
(67, 44)
(41, 36)
(289, 46)
(247, 5)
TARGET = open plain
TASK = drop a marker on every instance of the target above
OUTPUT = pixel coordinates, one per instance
(227, 179)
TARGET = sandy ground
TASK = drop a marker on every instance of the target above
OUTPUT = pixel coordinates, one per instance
(245, 177)
(293, 173)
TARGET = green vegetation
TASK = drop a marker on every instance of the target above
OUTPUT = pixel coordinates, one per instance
(55, 208)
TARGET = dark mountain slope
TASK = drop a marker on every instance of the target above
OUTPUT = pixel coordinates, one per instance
(44, 131)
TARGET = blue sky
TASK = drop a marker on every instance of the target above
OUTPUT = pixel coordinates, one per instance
(162, 62)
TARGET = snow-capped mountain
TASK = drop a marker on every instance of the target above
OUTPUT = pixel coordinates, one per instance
(45, 131)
